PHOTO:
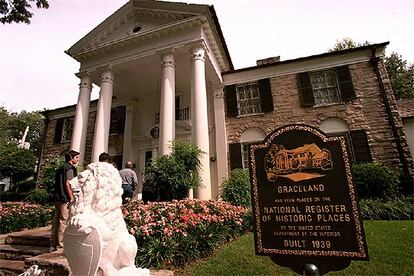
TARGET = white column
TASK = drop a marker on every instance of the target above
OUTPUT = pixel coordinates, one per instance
(199, 118)
(167, 109)
(127, 152)
(221, 136)
(103, 115)
(80, 123)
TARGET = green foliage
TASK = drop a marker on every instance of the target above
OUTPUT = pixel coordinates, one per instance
(401, 75)
(39, 196)
(18, 164)
(18, 10)
(397, 209)
(26, 185)
(171, 176)
(236, 188)
(11, 196)
(16, 216)
(375, 181)
(390, 247)
(346, 43)
(48, 180)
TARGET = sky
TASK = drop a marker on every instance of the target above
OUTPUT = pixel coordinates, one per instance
(36, 74)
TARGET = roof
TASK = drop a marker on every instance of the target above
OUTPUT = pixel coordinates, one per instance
(333, 53)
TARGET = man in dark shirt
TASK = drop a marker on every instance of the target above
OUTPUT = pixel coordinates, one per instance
(62, 196)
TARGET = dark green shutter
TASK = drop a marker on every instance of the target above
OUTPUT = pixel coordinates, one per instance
(360, 146)
(345, 83)
(305, 89)
(266, 98)
(231, 100)
(58, 131)
(235, 156)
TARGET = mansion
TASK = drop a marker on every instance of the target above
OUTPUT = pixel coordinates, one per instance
(164, 73)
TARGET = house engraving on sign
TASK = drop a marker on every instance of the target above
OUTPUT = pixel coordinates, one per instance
(298, 164)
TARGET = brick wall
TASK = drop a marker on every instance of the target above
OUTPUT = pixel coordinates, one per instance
(366, 112)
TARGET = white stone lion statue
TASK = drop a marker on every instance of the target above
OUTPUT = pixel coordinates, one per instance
(96, 240)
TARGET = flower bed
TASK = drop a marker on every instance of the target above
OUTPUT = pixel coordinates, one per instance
(16, 216)
(174, 233)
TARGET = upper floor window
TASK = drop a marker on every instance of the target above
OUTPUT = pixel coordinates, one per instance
(63, 130)
(117, 120)
(248, 98)
(326, 87)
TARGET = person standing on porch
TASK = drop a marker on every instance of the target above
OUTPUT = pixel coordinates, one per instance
(129, 181)
(62, 196)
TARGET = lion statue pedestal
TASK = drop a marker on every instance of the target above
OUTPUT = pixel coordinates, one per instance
(96, 240)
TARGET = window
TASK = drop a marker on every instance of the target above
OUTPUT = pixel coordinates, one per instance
(117, 120)
(67, 129)
(239, 152)
(63, 130)
(248, 99)
(326, 87)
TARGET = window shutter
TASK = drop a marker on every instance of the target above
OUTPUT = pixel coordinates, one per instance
(235, 156)
(231, 100)
(305, 88)
(360, 146)
(58, 131)
(266, 99)
(345, 83)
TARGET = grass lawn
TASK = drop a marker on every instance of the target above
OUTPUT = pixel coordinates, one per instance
(390, 247)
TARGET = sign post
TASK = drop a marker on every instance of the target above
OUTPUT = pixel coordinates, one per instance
(305, 209)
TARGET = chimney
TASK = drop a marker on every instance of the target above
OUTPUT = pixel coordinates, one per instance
(269, 60)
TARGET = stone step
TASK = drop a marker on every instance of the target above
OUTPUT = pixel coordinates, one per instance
(20, 252)
(11, 267)
(51, 264)
(36, 237)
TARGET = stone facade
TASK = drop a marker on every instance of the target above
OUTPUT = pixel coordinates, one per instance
(366, 112)
(52, 150)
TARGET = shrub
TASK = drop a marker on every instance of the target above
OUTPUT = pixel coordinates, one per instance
(11, 196)
(174, 233)
(26, 185)
(171, 176)
(48, 180)
(398, 209)
(16, 216)
(375, 181)
(40, 196)
(236, 188)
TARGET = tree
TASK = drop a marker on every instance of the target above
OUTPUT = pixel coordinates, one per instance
(18, 10)
(13, 125)
(18, 164)
(346, 43)
(401, 74)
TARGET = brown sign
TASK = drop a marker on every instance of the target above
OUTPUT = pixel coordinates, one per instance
(304, 200)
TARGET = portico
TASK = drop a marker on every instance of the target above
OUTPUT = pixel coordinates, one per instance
(163, 62)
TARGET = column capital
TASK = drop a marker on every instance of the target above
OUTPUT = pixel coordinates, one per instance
(167, 58)
(85, 80)
(107, 76)
(218, 92)
(198, 50)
